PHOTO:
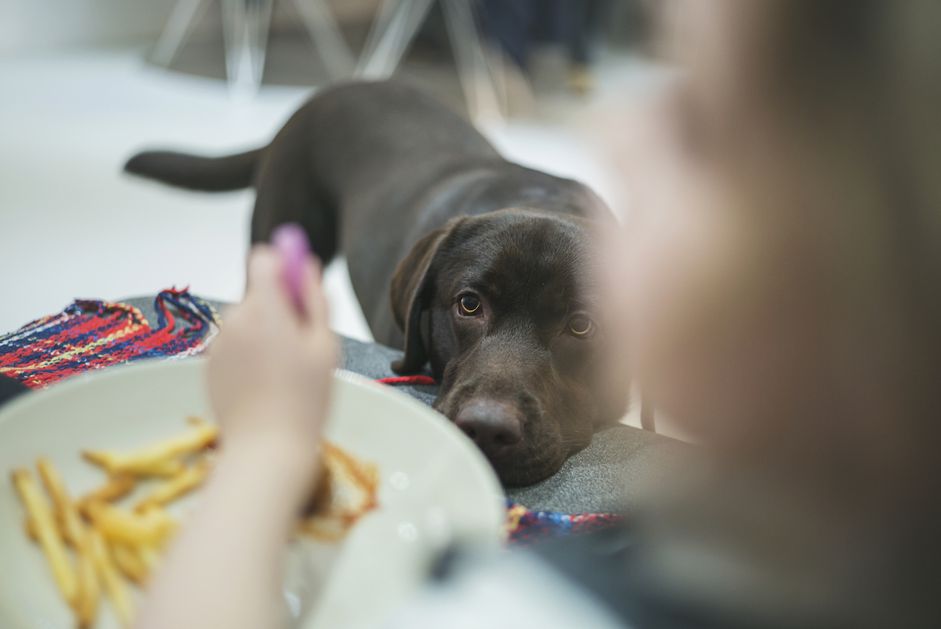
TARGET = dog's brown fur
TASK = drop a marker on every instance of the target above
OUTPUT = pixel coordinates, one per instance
(427, 211)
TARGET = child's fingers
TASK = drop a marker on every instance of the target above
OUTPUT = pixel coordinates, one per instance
(315, 302)
(319, 336)
(264, 266)
(265, 282)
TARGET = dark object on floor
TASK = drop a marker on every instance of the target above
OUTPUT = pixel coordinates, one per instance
(488, 263)
(10, 389)
(518, 25)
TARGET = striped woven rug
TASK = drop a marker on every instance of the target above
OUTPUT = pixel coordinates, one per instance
(93, 334)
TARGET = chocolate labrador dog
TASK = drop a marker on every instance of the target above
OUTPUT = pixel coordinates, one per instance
(488, 263)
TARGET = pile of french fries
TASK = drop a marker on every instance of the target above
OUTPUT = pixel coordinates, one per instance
(95, 546)
(109, 540)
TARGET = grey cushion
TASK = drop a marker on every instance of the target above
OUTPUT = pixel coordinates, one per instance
(373, 361)
(601, 478)
(605, 477)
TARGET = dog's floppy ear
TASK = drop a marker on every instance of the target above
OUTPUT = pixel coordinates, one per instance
(410, 292)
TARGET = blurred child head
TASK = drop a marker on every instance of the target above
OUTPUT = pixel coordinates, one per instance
(779, 283)
(779, 278)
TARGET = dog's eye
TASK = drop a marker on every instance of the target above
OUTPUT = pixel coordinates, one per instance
(581, 326)
(469, 305)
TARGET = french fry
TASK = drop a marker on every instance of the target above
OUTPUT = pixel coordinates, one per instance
(364, 475)
(114, 463)
(67, 514)
(118, 525)
(175, 487)
(30, 528)
(87, 594)
(110, 577)
(332, 530)
(117, 486)
(89, 590)
(332, 512)
(159, 459)
(148, 555)
(129, 563)
(47, 533)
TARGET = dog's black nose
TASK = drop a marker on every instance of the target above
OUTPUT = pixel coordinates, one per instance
(494, 426)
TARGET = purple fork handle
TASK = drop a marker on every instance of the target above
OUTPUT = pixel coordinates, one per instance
(292, 245)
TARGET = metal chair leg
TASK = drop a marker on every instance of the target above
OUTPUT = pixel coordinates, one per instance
(395, 28)
(185, 14)
(647, 416)
(485, 96)
(327, 37)
(245, 30)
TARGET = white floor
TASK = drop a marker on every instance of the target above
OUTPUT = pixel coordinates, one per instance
(72, 225)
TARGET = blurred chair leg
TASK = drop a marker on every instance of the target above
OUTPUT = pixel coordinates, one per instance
(185, 14)
(484, 92)
(392, 32)
(327, 37)
(647, 416)
(378, 28)
(245, 27)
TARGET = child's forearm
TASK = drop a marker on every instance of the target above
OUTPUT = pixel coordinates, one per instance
(225, 569)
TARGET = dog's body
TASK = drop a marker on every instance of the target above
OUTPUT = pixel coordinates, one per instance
(422, 205)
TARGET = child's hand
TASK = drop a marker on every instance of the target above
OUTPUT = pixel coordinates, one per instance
(270, 369)
(269, 382)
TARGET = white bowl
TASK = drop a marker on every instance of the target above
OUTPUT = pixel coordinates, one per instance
(435, 486)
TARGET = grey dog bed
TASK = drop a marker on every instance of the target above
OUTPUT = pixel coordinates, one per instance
(601, 478)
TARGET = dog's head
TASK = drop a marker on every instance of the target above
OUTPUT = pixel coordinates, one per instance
(502, 306)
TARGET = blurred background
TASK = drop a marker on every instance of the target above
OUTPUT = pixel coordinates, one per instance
(86, 83)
